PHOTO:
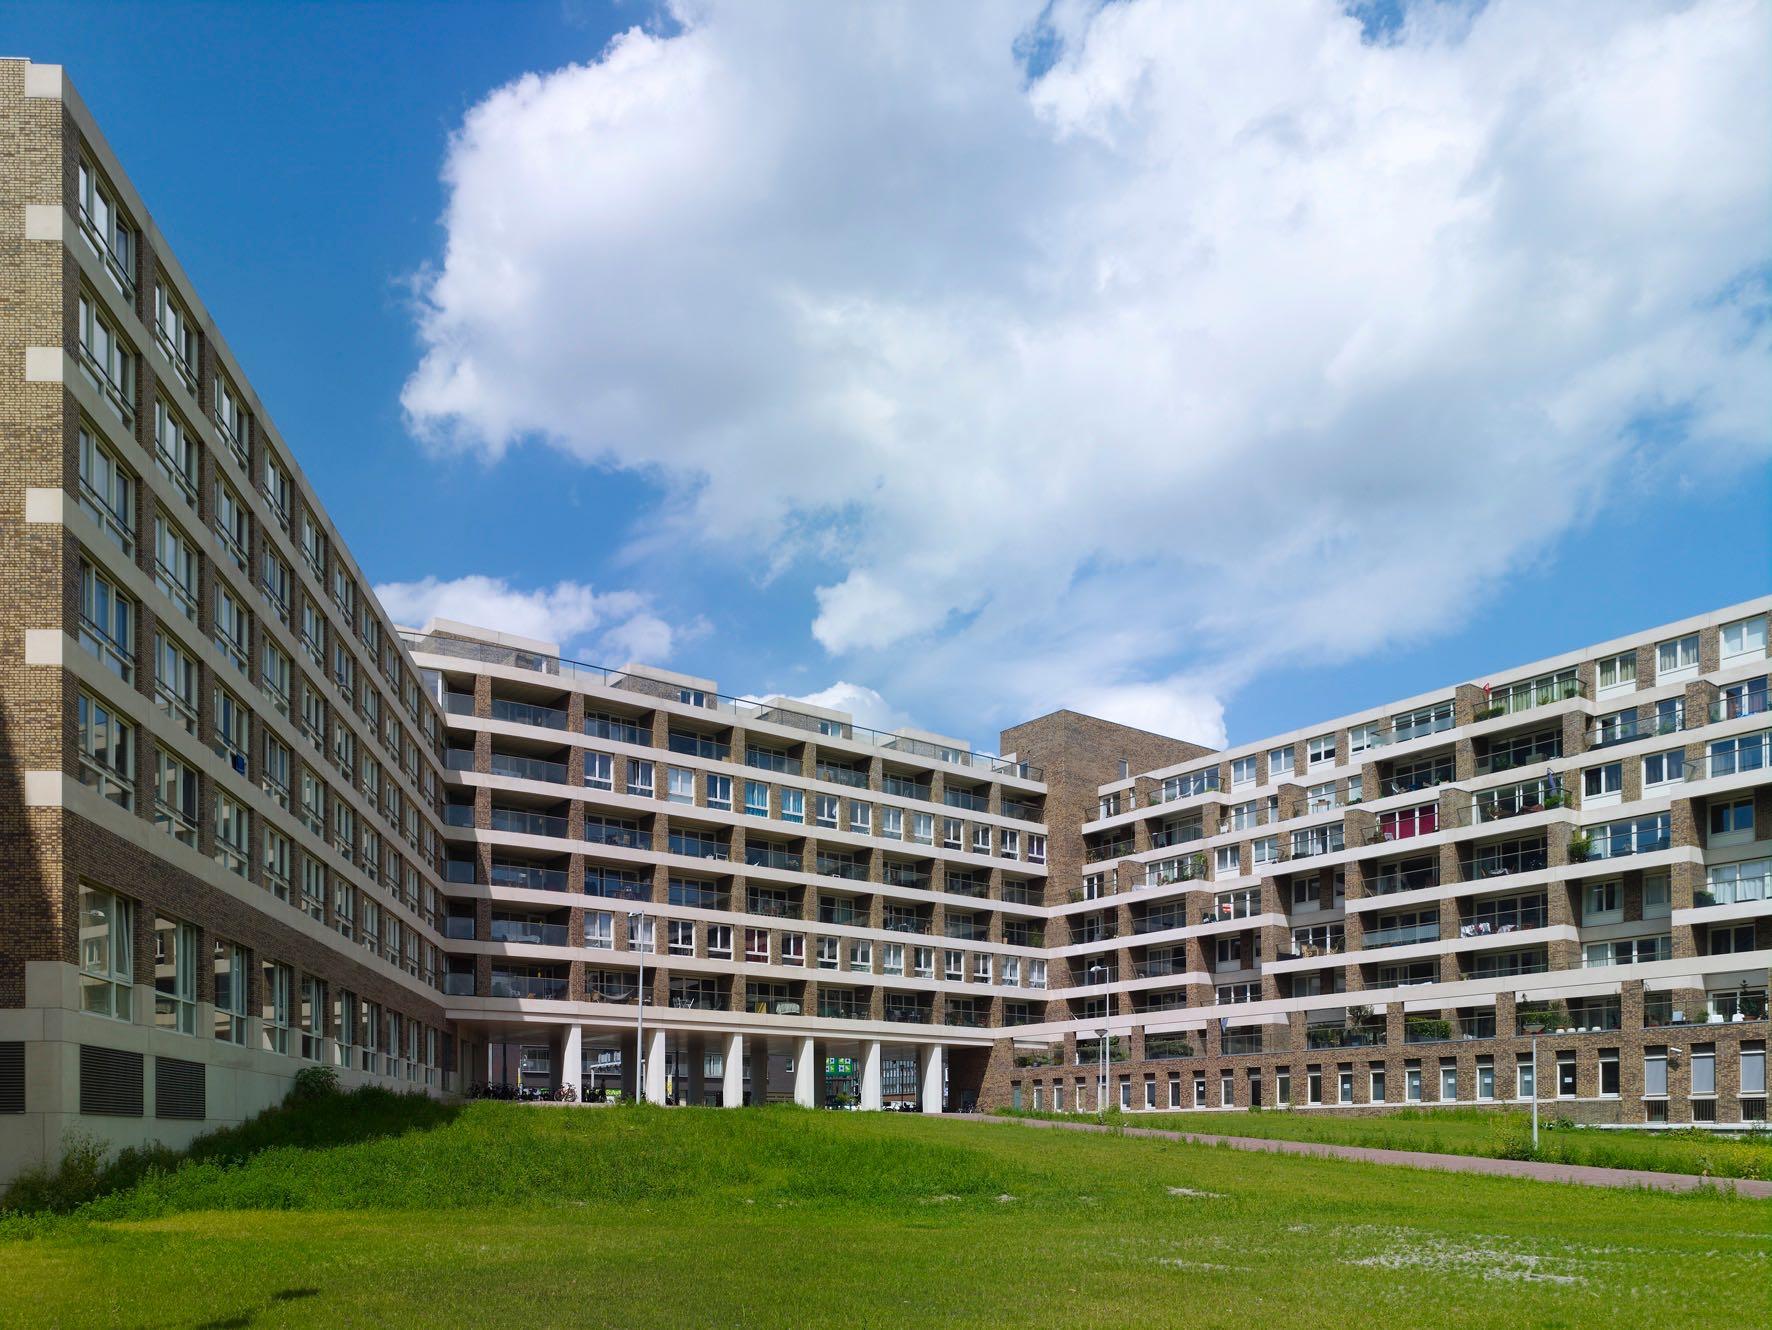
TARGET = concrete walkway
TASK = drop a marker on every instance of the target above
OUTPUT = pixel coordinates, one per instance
(1585, 1174)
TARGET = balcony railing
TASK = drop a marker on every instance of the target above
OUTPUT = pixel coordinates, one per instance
(896, 876)
(459, 927)
(905, 789)
(527, 824)
(610, 887)
(966, 799)
(527, 713)
(1025, 812)
(1533, 796)
(1406, 879)
(528, 986)
(526, 931)
(830, 913)
(1502, 863)
(528, 768)
(771, 907)
(857, 780)
(1605, 733)
(764, 760)
(527, 875)
(1400, 935)
(1751, 703)
(958, 885)
(696, 847)
(1619, 840)
(619, 731)
(1531, 915)
(908, 1013)
(1518, 697)
(758, 856)
(1733, 757)
(457, 984)
(696, 745)
(1734, 891)
(1115, 850)
(830, 1008)
(619, 837)
(1339, 1036)
(964, 1016)
(1160, 922)
(1158, 967)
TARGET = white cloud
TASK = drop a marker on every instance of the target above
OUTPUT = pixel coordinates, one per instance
(864, 705)
(1231, 337)
(620, 623)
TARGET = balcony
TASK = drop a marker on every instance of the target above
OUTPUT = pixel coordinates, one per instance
(527, 713)
(528, 768)
(1159, 967)
(1733, 891)
(1531, 693)
(1509, 918)
(1733, 757)
(840, 775)
(764, 759)
(773, 907)
(459, 927)
(530, 932)
(696, 847)
(529, 876)
(1392, 880)
(760, 856)
(909, 1013)
(1401, 935)
(906, 789)
(525, 823)
(971, 1017)
(458, 815)
(617, 836)
(548, 987)
(837, 912)
(1618, 840)
(1490, 863)
(1186, 833)
(831, 866)
(1534, 796)
(1607, 732)
(896, 921)
(458, 984)
(1160, 921)
(1753, 702)
(901, 875)
(966, 799)
(1511, 754)
(697, 897)
(958, 884)
(1025, 812)
(1340, 1036)
(1118, 849)
(697, 745)
(831, 1007)
(613, 886)
(619, 731)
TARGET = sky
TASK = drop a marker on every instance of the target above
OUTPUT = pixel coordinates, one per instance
(1214, 368)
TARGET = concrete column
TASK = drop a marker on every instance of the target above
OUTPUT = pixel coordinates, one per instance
(655, 1066)
(732, 1080)
(870, 1075)
(934, 1080)
(696, 1093)
(572, 1060)
(805, 1073)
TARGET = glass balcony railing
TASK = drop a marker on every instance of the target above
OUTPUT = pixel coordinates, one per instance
(1511, 919)
(528, 986)
(1400, 935)
(459, 927)
(526, 823)
(905, 789)
(764, 760)
(619, 731)
(458, 815)
(1733, 757)
(528, 768)
(619, 837)
(527, 713)
(834, 775)
(1605, 733)
(611, 887)
(1619, 840)
(1753, 702)
(829, 913)
(1534, 796)
(849, 869)
(527, 875)
(1160, 922)
(529, 932)
(696, 847)
(1392, 880)
(758, 856)
(1501, 863)
(1734, 891)
(456, 984)
(696, 745)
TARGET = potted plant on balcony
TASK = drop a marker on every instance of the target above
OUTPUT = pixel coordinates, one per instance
(1581, 845)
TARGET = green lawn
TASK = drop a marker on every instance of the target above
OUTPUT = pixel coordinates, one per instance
(504, 1215)
(1495, 1133)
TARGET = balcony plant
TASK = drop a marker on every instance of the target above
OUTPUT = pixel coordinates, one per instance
(1581, 845)
(1489, 711)
(1426, 1029)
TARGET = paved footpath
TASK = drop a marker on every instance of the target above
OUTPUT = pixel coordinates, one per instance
(1586, 1174)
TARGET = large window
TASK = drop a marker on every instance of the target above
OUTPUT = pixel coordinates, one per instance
(233, 965)
(1676, 658)
(175, 681)
(176, 450)
(278, 1008)
(107, 750)
(175, 975)
(177, 336)
(106, 360)
(107, 622)
(175, 797)
(1617, 674)
(106, 231)
(233, 629)
(1745, 639)
(107, 490)
(107, 953)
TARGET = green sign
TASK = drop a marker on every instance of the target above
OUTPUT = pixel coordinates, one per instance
(839, 1066)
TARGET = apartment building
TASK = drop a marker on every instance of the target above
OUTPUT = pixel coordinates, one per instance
(251, 825)
(1383, 908)
(219, 836)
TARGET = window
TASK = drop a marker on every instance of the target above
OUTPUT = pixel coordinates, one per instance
(1280, 764)
(1704, 1069)
(1320, 752)
(720, 941)
(756, 798)
(923, 829)
(1609, 1072)
(1360, 738)
(892, 823)
(680, 937)
(233, 728)
(176, 450)
(106, 360)
(1676, 658)
(232, 626)
(174, 333)
(1729, 757)
(1617, 674)
(1404, 823)
(600, 771)
(1242, 773)
(1266, 850)
(1726, 939)
(793, 805)
(1657, 900)
(107, 622)
(860, 817)
(174, 797)
(756, 945)
(175, 976)
(679, 785)
(107, 750)
(233, 525)
(107, 491)
(1753, 1068)
(827, 953)
(1320, 798)
(230, 417)
(107, 953)
(1189, 784)
(793, 949)
(639, 778)
(1731, 823)
(824, 809)
(1664, 769)
(1036, 848)
(1603, 785)
(1226, 861)
(232, 966)
(1376, 1091)
(981, 839)
(1566, 1082)
(1448, 1082)
(279, 995)
(1744, 639)
(719, 791)
(892, 958)
(232, 834)
(1485, 1078)
(1412, 1082)
(105, 230)
(861, 955)
(1655, 1073)
(1421, 722)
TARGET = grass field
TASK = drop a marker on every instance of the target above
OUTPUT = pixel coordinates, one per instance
(506, 1215)
(1496, 1134)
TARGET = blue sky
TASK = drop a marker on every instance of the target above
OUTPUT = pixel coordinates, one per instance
(955, 350)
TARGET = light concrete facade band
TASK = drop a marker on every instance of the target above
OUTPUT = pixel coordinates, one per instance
(251, 825)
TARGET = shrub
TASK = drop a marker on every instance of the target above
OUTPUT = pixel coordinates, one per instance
(315, 1083)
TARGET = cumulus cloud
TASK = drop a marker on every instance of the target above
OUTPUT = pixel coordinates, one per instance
(615, 625)
(1220, 335)
(864, 705)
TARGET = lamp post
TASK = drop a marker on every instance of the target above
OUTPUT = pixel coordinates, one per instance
(1534, 1028)
(1101, 1043)
(634, 921)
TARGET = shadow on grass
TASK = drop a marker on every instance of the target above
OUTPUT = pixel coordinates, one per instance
(313, 1122)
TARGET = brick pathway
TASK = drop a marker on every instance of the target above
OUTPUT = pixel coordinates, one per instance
(1585, 1174)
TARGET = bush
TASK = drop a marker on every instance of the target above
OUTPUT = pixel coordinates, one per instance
(315, 1083)
(1510, 1136)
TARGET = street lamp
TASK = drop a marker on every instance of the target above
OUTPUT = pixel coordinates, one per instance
(634, 921)
(1101, 1043)
(1534, 1028)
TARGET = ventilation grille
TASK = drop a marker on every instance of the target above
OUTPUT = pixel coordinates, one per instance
(179, 1089)
(110, 1082)
(12, 1078)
